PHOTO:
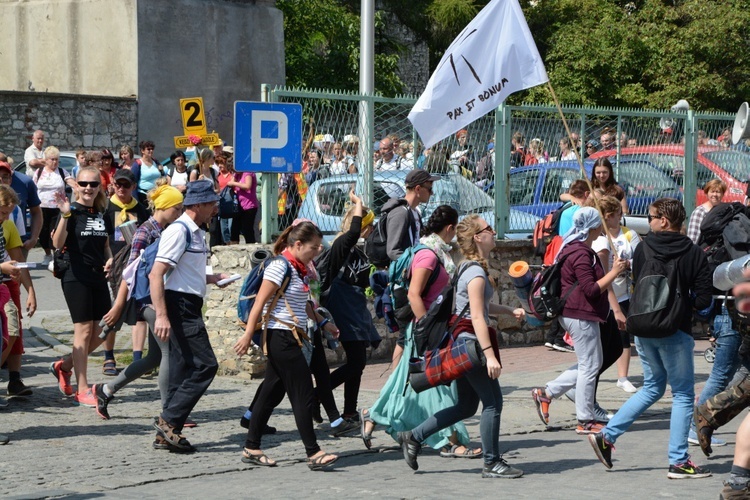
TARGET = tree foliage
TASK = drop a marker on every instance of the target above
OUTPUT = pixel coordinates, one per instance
(646, 53)
(321, 42)
(635, 53)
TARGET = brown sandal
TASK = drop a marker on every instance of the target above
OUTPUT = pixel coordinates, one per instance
(173, 438)
(319, 464)
(262, 459)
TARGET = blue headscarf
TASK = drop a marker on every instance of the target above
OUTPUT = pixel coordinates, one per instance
(584, 220)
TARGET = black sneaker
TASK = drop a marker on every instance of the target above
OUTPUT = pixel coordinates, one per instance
(354, 417)
(411, 449)
(345, 427)
(102, 400)
(501, 469)
(18, 388)
(602, 448)
(687, 470)
(563, 347)
(245, 422)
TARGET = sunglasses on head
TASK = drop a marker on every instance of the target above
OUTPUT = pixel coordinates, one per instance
(92, 184)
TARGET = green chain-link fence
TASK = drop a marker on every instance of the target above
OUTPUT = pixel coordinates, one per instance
(511, 165)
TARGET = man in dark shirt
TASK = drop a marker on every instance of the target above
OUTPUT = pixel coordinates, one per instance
(665, 358)
(124, 210)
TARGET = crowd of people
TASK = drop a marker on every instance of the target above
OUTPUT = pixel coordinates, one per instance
(305, 300)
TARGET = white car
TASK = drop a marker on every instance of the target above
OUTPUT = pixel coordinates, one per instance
(327, 199)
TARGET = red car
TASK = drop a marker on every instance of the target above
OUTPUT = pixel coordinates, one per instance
(729, 165)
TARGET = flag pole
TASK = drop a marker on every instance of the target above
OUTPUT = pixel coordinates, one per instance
(582, 169)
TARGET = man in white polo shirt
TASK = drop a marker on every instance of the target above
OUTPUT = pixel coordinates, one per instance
(178, 284)
(34, 154)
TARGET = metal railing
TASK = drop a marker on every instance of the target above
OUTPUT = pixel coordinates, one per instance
(509, 165)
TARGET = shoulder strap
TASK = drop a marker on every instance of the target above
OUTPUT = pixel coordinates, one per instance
(461, 269)
(434, 273)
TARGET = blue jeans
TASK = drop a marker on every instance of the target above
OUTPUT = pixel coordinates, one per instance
(669, 358)
(727, 359)
(476, 385)
(226, 229)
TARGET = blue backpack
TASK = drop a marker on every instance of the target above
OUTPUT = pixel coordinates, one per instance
(141, 286)
(399, 277)
(251, 285)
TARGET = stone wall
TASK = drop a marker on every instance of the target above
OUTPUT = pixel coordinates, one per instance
(224, 330)
(69, 121)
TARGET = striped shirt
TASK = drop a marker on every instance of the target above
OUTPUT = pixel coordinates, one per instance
(143, 237)
(296, 296)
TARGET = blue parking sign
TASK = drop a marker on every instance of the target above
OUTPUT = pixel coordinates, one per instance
(267, 137)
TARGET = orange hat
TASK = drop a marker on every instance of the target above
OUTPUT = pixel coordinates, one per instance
(461, 132)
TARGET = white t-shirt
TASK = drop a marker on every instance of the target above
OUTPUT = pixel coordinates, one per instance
(570, 156)
(32, 153)
(341, 166)
(188, 274)
(296, 296)
(179, 179)
(49, 185)
(625, 242)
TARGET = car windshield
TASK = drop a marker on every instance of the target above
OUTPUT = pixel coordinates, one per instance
(459, 193)
(736, 163)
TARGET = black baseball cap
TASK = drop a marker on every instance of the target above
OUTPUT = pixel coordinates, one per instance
(418, 177)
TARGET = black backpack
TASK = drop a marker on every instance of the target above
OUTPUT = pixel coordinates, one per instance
(545, 298)
(376, 242)
(725, 234)
(431, 331)
(658, 304)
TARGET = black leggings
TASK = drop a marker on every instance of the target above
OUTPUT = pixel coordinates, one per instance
(611, 343)
(350, 374)
(244, 223)
(49, 218)
(322, 374)
(286, 373)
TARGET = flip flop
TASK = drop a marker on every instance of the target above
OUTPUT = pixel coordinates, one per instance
(467, 453)
(318, 464)
(261, 460)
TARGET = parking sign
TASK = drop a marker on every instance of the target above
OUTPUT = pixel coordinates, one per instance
(267, 137)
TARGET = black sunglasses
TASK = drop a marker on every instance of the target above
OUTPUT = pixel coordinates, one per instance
(488, 228)
(652, 217)
(92, 184)
(123, 185)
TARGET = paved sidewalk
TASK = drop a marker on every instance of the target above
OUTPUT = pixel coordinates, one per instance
(58, 450)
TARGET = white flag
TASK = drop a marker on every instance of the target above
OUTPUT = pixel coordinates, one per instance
(494, 56)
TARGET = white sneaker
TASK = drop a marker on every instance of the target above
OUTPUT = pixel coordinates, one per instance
(51, 267)
(47, 259)
(626, 386)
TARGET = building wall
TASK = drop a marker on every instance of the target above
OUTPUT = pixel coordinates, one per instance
(156, 51)
(69, 46)
(69, 121)
(221, 52)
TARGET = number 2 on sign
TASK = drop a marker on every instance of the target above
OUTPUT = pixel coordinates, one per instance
(193, 117)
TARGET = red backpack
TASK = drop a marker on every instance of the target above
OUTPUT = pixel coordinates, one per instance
(545, 230)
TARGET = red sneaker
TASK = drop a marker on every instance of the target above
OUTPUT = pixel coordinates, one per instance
(85, 398)
(63, 378)
(592, 427)
(542, 402)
